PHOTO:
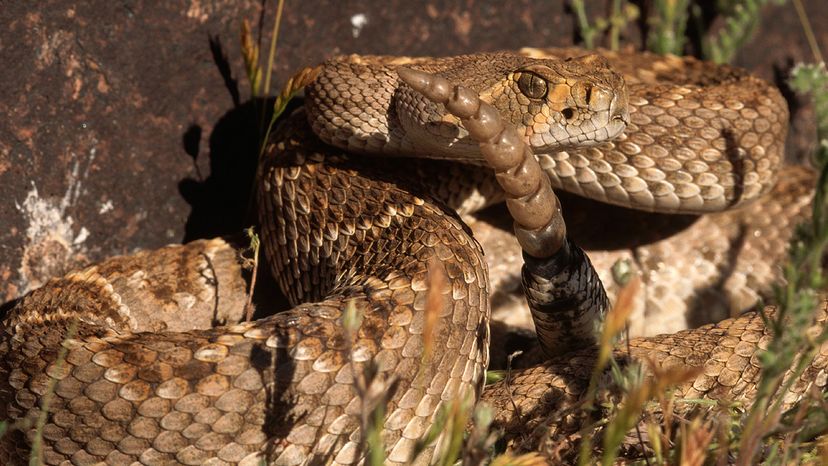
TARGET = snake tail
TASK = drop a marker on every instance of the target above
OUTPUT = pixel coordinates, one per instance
(539, 224)
(565, 295)
(566, 299)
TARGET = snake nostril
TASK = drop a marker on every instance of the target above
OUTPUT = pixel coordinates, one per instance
(568, 113)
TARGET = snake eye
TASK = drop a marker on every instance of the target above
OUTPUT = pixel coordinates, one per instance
(532, 85)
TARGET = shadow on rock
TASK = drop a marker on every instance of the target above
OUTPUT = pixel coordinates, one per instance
(223, 202)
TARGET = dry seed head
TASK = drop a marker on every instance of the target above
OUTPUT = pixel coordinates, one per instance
(666, 378)
(695, 441)
(248, 46)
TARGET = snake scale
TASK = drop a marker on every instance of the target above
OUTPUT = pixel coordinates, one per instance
(146, 359)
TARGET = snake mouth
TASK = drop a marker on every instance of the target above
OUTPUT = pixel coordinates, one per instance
(617, 125)
(607, 133)
(622, 118)
(559, 139)
(617, 119)
(610, 131)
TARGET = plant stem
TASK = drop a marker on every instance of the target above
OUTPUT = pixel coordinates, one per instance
(809, 33)
(273, 41)
(587, 32)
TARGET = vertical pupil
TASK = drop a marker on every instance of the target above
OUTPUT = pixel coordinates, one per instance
(532, 86)
(537, 86)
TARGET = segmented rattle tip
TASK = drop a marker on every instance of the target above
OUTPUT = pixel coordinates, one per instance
(435, 88)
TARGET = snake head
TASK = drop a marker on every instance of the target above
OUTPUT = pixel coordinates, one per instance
(360, 104)
(563, 103)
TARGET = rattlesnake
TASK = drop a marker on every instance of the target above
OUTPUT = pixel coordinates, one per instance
(377, 242)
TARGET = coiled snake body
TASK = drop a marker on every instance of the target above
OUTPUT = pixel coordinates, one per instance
(145, 359)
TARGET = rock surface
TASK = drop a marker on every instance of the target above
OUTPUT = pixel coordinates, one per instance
(127, 125)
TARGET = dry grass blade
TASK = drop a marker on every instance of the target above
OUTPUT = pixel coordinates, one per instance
(451, 418)
(800, 413)
(449, 427)
(454, 428)
(823, 450)
(250, 54)
(636, 398)
(665, 378)
(373, 389)
(655, 435)
(616, 320)
(614, 323)
(351, 321)
(527, 459)
(480, 439)
(695, 444)
(274, 36)
(639, 390)
(435, 301)
(624, 420)
(808, 30)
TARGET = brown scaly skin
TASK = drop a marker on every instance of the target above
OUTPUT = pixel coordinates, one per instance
(337, 231)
